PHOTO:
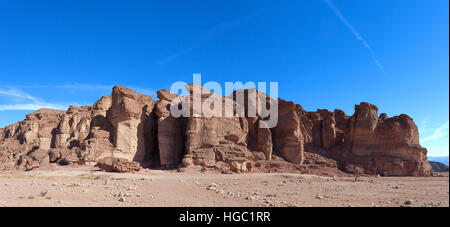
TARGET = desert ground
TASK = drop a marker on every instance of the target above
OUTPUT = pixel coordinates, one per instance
(87, 186)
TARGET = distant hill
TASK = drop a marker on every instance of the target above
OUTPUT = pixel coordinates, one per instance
(442, 159)
(438, 167)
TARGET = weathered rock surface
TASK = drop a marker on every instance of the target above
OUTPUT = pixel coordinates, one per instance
(171, 131)
(210, 138)
(129, 115)
(388, 146)
(120, 165)
(287, 136)
(258, 139)
(126, 130)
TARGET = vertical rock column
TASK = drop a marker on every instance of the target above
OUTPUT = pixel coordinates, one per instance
(259, 139)
(361, 133)
(171, 131)
(388, 146)
(328, 129)
(128, 115)
(213, 138)
(287, 136)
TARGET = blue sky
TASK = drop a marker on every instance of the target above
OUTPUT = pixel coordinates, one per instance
(324, 54)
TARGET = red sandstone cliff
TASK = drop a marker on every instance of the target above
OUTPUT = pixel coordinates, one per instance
(135, 127)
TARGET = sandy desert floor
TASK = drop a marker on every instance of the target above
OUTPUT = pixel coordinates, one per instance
(84, 186)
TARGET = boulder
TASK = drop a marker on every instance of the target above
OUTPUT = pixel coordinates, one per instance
(166, 95)
(120, 165)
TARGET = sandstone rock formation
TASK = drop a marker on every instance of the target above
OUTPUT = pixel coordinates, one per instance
(288, 136)
(378, 144)
(170, 131)
(126, 130)
(131, 117)
(120, 165)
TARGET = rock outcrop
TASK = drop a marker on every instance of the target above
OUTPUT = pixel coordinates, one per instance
(213, 137)
(131, 118)
(438, 167)
(127, 130)
(171, 131)
(288, 137)
(388, 146)
(120, 165)
(258, 138)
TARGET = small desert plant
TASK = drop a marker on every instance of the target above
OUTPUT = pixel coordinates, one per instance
(118, 178)
(74, 185)
(30, 197)
(90, 177)
(48, 198)
(357, 173)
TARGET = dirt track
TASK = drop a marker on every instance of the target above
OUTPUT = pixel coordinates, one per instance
(82, 186)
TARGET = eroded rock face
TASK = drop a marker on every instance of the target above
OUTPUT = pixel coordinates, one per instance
(287, 137)
(117, 125)
(128, 116)
(171, 131)
(259, 139)
(74, 127)
(21, 139)
(127, 126)
(120, 165)
(212, 139)
(388, 146)
(376, 144)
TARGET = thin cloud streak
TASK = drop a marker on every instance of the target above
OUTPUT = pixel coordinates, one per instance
(19, 100)
(89, 87)
(355, 33)
(176, 55)
(423, 126)
(24, 101)
(17, 95)
(438, 133)
(208, 35)
(438, 151)
(70, 86)
(32, 106)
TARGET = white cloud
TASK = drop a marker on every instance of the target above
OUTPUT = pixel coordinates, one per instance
(19, 100)
(438, 151)
(438, 133)
(24, 101)
(355, 33)
(17, 95)
(424, 125)
(32, 106)
(69, 86)
(89, 87)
